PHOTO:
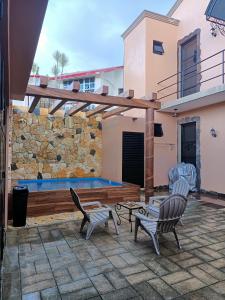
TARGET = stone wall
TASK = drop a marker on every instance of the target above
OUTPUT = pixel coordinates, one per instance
(55, 146)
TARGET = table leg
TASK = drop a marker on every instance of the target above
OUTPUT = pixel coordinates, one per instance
(130, 220)
(118, 207)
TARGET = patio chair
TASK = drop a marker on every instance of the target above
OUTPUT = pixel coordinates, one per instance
(170, 212)
(180, 187)
(99, 216)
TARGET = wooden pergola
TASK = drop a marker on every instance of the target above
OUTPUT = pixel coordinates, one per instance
(122, 103)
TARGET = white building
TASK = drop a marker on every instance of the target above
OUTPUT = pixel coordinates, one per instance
(90, 81)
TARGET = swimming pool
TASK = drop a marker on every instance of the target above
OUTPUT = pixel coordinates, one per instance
(39, 185)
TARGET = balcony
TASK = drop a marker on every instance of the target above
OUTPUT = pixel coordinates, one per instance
(196, 86)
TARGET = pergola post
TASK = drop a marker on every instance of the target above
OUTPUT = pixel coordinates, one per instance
(149, 153)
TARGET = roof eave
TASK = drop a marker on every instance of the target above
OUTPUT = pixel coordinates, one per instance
(151, 15)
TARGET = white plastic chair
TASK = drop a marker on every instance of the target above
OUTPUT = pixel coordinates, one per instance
(93, 218)
(170, 211)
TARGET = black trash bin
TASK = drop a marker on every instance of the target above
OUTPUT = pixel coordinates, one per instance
(20, 196)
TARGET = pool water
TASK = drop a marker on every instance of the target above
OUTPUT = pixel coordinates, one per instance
(39, 185)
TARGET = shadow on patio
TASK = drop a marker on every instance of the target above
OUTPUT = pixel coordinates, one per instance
(55, 262)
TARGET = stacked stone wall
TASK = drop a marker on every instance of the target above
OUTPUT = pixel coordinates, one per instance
(46, 146)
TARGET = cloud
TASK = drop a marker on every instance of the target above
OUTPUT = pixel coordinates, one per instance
(89, 31)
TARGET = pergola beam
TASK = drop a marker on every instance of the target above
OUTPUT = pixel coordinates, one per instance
(34, 103)
(97, 110)
(57, 106)
(129, 94)
(91, 98)
(115, 111)
(77, 108)
(103, 90)
(43, 84)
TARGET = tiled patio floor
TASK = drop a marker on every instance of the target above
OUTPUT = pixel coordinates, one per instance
(55, 262)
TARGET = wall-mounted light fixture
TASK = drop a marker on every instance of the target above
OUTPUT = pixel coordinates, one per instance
(175, 114)
(213, 133)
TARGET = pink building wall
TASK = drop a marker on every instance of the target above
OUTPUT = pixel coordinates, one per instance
(142, 71)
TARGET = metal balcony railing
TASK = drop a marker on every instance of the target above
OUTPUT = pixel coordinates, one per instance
(204, 74)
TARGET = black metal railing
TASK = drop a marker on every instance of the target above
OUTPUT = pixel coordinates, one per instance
(168, 87)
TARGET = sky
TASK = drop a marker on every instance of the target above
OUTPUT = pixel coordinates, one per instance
(89, 31)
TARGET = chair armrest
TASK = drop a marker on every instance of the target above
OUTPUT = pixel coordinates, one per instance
(93, 203)
(96, 210)
(157, 199)
(144, 218)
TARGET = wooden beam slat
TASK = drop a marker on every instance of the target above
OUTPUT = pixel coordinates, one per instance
(76, 86)
(115, 111)
(97, 110)
(129, 94)
(34, 103)
(43, 82)
(103, 90)
(57, 106)
(54, 93)
(77, 108)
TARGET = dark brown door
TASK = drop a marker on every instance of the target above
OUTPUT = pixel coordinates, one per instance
(188, 67)
(188, 143)
(133, 158)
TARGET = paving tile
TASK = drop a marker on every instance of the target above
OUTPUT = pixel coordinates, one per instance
(100, 269)
(169, 265)
(123, 294)
(129, 258)
(102, 284)
(77, 272)
(212, 271)
(32, 296)
(87, 293)
(133, 269)
(38, 286)
(140, 277)
(50, 294)
(204, 294)
(176, 277)
(163, 289)
(202, 275)
(62, 276)
(188, 285)
(118, 261)
(117, 279)
(189, 262)
(147, 292)
(96, 263)
(219, 263)
(219, 287)
(75, 286)
(36, 278)
(156, 268)
(180, 256)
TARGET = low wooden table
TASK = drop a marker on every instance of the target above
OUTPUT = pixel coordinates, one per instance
(125, 210)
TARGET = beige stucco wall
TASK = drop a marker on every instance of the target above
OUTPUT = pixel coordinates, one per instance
(142, 74)
(112, 146)
(191, 13)
(211, 149)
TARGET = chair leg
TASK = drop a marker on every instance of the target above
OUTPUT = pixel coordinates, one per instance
(82, 224)
(89, 230)
(176, 237)
(137, 224)
(111, 215)
(156, 243)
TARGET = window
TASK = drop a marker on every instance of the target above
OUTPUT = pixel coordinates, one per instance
(158, 47)
(120, 91)
(87, 84)
(158, 132)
